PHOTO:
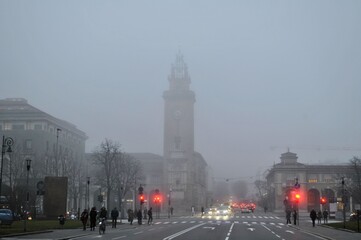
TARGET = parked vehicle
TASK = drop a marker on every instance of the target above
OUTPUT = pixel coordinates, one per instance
(6, 217)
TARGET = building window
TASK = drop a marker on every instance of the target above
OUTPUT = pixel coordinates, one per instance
(28, 144)
(18, 127)
(38, 127)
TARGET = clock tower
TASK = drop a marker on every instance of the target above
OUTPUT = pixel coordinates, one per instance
(179, 113)
(184, 168)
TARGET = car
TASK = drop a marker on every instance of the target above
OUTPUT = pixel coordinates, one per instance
(6, 217)
(223, 211)
(245, 210)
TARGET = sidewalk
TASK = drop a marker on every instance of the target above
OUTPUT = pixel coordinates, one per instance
(326, 231)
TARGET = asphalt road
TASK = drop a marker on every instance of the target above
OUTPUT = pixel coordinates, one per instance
(250, 226)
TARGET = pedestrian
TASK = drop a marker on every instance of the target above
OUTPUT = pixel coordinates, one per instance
(319, 216)
(313, 216)
(145, 213)
(130, 216)
(84, 218)
(202, 209)
(265, 209)
(192, 208)
(288, 216)
(114, 214)
(139, 216)
(150, 216)
(93, 218)
(171, 211)
(103, 213)
(294, 217)
(325, 216)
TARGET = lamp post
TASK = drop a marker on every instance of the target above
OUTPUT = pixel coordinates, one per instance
(88, 192)
(169, 205)
(56, 154)
(7, 143)
(28, 162)
(343, 201)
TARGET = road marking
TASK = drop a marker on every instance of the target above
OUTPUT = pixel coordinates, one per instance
(136, 233)
(174, 222)
(182, 232)
(251, 229)
(184, 222)
(229, 232)
(119, 237)
(290, 231)
(212, 228)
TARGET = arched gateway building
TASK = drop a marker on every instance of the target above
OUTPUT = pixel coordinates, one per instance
(311, 182)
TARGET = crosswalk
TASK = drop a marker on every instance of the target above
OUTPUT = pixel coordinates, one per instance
(220, 222)
(246, 217)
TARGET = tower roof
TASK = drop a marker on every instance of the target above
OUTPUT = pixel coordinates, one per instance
(179, 78)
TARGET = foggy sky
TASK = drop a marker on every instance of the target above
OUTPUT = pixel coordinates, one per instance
(267, 74)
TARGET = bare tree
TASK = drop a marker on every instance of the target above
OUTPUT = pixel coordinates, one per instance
(106, 156)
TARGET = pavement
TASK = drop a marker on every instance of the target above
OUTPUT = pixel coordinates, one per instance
(325, 231)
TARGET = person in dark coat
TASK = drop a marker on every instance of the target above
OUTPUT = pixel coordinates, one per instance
(288, 216)
(114, 214)
(84, 218)
(150, 216)
(325, 216)
(93, 218)
(139, 216)
(313, 216)
(294, 217)
(319, 217)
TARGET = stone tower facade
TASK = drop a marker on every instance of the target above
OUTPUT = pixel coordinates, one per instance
(185, 169)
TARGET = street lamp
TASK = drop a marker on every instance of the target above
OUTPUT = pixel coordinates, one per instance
(169, 207)
(88, 192)
(7, 143)
(343, 201)
(28, 162)
(56, 154)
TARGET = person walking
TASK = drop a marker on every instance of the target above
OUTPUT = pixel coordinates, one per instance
(145, 213)
(150, 216)
(288, 216)
(130, 216)
(139, 216)
(319, 217)
(93, 218)
(114, 214)
(325, 216)
(313, 216)
(294, 217)
(84, 218)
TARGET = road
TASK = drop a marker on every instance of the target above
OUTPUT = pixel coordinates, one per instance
(250, 226)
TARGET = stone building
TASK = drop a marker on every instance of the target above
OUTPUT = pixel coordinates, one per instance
(311, 182)
(52, 144)
(186, 170)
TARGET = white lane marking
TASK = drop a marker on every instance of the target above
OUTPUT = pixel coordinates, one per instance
(136, 233)
(165, 222)
(118, 237)
(184, 221)
(290, 231)
(182, 232)
(229, 232)
(158, 223)
(174, 222)
(251, 229)
(212, 228)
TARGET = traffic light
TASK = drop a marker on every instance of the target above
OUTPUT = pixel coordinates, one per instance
(323, 200)
(297, 197)
(141, 198)
(157, 199)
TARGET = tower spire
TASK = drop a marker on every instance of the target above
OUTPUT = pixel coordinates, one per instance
(179, 78)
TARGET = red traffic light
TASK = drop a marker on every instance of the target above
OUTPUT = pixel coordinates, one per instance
(157, 199)
(141, 198)
(323, 201)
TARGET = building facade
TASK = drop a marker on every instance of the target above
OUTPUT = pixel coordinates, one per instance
(311, 182)
(185, 169)
(53, 145)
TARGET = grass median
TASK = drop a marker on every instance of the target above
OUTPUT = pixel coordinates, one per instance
(38, 225)
(350, 225)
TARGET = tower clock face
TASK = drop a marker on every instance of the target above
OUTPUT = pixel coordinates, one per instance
(177, 114)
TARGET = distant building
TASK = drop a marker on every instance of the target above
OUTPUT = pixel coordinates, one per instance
(51, 143)
(312, 182)
(186, 170)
